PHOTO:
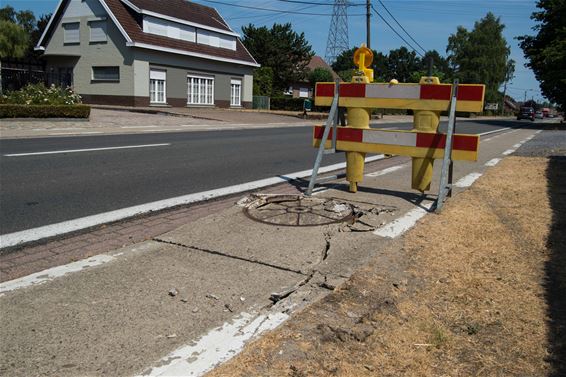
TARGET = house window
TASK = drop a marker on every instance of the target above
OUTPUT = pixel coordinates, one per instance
(72, 32)
(157, 86)
(98, 31)
(236, 93)
(200, 90)
(106, 74)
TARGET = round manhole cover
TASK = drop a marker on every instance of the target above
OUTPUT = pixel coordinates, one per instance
(298, 210)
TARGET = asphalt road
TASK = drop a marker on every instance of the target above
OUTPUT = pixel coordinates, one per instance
(43, 189)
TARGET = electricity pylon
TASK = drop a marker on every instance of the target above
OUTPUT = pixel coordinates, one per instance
(338, 33)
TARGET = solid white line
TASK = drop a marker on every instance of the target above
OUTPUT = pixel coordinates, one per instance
(493, 162)
(55, 272)
(508, 152)
(52, 230)
(399, 226)
(467, 180)
(386, 171)
(139, 126)
(217, 346)
(86, 150)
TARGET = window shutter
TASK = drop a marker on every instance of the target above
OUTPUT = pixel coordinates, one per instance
(72, 32)
(98, 31)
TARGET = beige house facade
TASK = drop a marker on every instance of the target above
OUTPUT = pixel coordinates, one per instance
(138, 53)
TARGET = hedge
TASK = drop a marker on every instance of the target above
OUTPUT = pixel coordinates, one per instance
(293, 104)
(44, 111)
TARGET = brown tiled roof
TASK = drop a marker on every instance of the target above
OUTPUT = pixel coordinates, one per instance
(318, 62)
(133, 28)
(184, 10)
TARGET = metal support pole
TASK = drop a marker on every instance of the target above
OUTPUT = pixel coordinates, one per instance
(368, 23)
(447, 160)
(330, 122)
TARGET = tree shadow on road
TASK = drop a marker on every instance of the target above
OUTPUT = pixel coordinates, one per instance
(555, 284)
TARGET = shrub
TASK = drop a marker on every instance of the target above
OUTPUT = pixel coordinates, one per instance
(293, 104)
(44, 111)
(39, 94)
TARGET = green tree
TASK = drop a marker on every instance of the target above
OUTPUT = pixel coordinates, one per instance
(345, 61)
(401, 64)
(481, 55)
(13, 40)
(546, 51)
(263, 81)
(286, 52)
(320, 75)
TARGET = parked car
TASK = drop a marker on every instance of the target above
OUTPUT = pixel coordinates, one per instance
(526, 113)
(539, 115)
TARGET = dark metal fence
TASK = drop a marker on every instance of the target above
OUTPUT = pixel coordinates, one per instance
(16, 75)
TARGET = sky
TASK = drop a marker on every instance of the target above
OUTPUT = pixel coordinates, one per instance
(429, 22)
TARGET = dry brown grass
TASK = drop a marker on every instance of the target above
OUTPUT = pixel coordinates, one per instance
(463, 296)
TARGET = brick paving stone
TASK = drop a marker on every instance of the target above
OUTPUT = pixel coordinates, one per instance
(27, 258)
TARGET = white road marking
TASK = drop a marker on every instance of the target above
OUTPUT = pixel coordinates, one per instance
(55, 272)
(86, 150)
(517, 145)
(508, 152)
(139, 126)
(467, 180)
(386, 171)
(493, 162)
(400, 225)
(16, 238)
(217, 346)
(494, 131)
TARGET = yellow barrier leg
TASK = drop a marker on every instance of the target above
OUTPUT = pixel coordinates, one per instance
(424, 121)
(357, 118)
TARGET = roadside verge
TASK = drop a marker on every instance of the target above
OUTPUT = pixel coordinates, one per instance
(478, 290)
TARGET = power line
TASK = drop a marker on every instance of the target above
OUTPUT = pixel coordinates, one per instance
(273, 10)
(313, 3)
(395, 31)
(401, 26)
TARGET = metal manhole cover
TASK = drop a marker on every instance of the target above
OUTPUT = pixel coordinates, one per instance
(298, 210)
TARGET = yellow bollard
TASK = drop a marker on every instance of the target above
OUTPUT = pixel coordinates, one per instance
(424, 121)
(359, 118)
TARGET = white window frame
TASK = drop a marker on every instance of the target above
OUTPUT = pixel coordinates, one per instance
(198, 92)
(104, 29)
(66, 34)
(157, 76)
(235, 92)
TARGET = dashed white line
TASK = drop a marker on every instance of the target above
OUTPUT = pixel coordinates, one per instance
(517, 145)
(399, 226)
(87, 150)
(508, 152)
(386, 171)
(493, 162)
(467, 180)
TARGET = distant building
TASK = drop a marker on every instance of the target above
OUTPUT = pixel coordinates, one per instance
(148, 53)
(303, 89)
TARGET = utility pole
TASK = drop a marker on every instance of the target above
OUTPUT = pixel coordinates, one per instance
(368, 22)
